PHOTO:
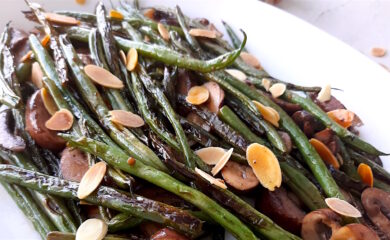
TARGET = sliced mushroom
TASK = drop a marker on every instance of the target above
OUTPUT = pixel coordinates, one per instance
(354, 231)
(184, 82)
(239, 176)
(280, 208)
(327, 106)
(74, 164)
(327, 136)
(320, 224)
(8, 139)
(307, 122)
(167, 234)
(149, 228)
(290, 108)
(36, 117)
(376, 203)
(216, 96)
(286, 139)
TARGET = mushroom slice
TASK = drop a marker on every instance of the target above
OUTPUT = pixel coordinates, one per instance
(354, 231)
(74, 164)
(216, 96)
(320, 224)
(342, 207)
(166, 234)
(376, 203)
(239, 176)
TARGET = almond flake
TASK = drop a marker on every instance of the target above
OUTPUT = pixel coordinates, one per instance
(149, 13)
(81, 2)
(218, 182)
(250, 60)
(131, 59)
(123, 56)
(36, 75)
(197, 95)
(48, 101)
(26, 57)
(127, 119)
(236, 74)
(198, 32)
(221, 163)
(277, 90)
(103, 77)
(61, 19)
(342, 207)
(61, 120)
(163, 31)
(115, 14)
(268, 113)
(266, 83)
(45, 40)
(92, 229)
(325, 94)
(91, 180)
(210, 155)
(378, 52)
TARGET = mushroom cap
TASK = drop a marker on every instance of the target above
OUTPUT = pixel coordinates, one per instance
(354, 231)
(320, 224)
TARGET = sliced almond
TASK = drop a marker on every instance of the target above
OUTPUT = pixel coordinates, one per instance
(268, 113)
(277, 89)
(215, 181)
(343, 117)
(26, 57)
(149, 13)
(45, 40)
(36, 75)
(61, 19)
(103, 77)
(365, 174)
(266, 83)
(115, 14)
(131, 59)
(163, 31)
(61, 120)
(48, 101)
(197, 95)
(342, 207)
(127, 119)
(325, 94)
(378, 52)
(92, 229)
(214, 29)
(216, 96)
(325, 153)
(264, 165)
(222, 162)
(198, 32)
(210, 155)
(250, 60)
(237, 74)
(239, 176)
(123, 56)
(81, 2)
(91, 179)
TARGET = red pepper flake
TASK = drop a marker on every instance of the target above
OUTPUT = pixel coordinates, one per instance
(131, 161)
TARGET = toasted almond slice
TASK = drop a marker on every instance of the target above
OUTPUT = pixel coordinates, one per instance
(250, 60)
(342, 207)
(324, 152)
(45, 40)
(127, 119)
(163, 31)
(214, 29)
(26, 57)
(268, 113)
(36, 75)
(81, 2)
(325, 94)
(236, 74)
(222, 161)
(198, 32)
(123, 56)
(277, 89)
(215, 181)
(115, 14)
(264, 165)
(365, 173)
(216, 96)
(61, 19)
(91, 179)
(92, 229)
(197, 95)
(354, 231)
(48, 101)
(103, 77)
(266, 83)
(61, 120)
(149, 13)
(378, 52)
(131, 59)
(343, 117)
(211, 155)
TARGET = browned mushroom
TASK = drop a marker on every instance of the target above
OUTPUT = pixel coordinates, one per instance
(286, 139)
(307, 122)
(327, 106)
(74, 164)
(216, 96)
(8, 139)
(149, 228)
(376, 203)
(320, 224)
(36, 117)
(354, 231)
(290, 108)
(167, 234)
(327, 136)
(280, 208)
(239, 176)
(184, 82)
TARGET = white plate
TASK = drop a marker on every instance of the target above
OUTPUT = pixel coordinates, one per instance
(288, 48)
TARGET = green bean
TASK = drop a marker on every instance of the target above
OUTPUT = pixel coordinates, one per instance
(233, 37)
(117, 157)
(123, 221)
(155, 37)
(348, 165)
(191, 40)
(348, 137)
(130, 31)
(377, 170)
(258, 83)
(381, 185)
